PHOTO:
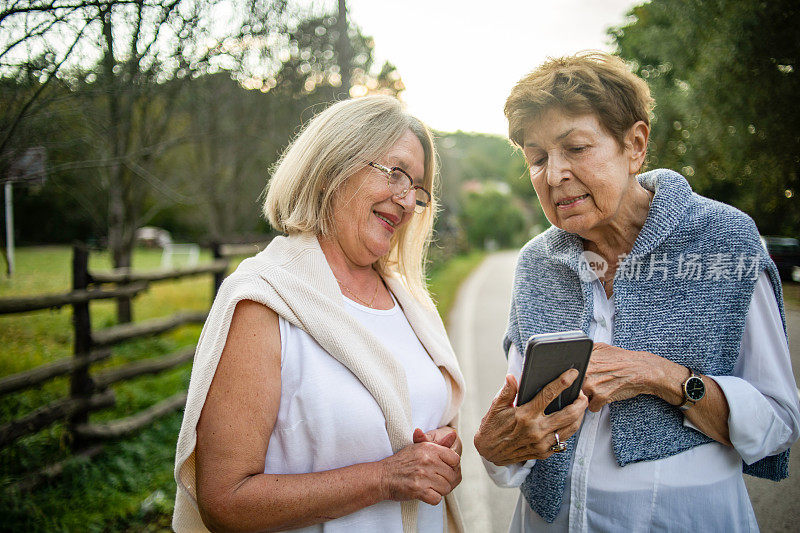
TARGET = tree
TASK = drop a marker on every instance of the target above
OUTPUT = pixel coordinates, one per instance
(170, 112)
(344, 47)
(485, 160)
(724, 76)
(241, 129)
(127, 62)
(39, 39)
(490, 215)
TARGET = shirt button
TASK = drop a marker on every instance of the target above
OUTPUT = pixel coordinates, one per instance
(581, 461)
(602, 322)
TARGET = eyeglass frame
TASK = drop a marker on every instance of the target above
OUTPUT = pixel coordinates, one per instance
(388, 172)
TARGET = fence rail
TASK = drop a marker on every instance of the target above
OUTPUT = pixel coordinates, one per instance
(156, 326)
(125, 426)
(154, 365)
(53, 412)
(232, 250)
(92, 391)
(54, 301)
(42, 373)
(126, 275)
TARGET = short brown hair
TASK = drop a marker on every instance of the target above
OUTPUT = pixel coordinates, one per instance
(587, 82)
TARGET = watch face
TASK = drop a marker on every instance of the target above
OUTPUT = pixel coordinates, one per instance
(695, 388)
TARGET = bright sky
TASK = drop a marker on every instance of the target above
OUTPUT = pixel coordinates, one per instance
(460, 58)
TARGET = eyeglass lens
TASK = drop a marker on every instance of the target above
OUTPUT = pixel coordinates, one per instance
(401, 186)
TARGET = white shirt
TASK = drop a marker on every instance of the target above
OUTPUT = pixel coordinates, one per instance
(699, 489)
(328, 420)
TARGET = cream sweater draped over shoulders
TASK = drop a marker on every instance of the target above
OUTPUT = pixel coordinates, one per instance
(292, 277)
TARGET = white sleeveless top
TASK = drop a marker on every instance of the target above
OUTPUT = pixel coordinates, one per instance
(323, 405)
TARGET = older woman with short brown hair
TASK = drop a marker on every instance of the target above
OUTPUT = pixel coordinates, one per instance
(690, 380)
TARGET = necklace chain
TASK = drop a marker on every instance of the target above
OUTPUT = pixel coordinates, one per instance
(354, 295)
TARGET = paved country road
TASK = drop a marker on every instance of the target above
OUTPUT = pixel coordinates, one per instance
(476, 327)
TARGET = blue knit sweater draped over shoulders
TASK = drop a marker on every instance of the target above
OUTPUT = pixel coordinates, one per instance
(682, 293)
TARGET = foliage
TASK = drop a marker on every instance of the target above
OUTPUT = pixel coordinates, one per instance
(490, 217)
(475, 160)
(725, 77)
(481, 157)
(446, 278)
(159, 114)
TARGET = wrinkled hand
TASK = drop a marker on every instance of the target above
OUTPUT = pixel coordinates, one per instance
(423, 471)
(617, 374)
(510, 434)
(443, 436)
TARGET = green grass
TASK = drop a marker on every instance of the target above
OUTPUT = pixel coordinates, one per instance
(128, 486)
(40, 337)
(446, 278)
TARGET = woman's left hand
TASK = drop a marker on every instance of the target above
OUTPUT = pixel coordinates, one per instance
(618, 374)
(443, 436)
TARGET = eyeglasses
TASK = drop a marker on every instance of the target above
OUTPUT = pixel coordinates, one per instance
(400, 183)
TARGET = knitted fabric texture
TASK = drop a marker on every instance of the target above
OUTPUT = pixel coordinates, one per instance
(682, 293)
(292, 277)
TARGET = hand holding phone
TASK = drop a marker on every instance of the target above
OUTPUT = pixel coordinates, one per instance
(549, 355)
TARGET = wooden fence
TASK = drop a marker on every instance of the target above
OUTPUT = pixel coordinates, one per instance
(92, 391)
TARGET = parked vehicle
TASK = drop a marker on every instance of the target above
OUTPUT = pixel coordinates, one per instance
(785, 251)
(152, 237)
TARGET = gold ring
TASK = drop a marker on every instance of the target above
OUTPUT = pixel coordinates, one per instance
(558, 446)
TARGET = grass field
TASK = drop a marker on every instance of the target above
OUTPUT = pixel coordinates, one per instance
(445, 280)
(129, 486)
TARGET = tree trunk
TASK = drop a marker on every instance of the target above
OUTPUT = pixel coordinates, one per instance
(122, 259)
(118, 242)
(344, 49)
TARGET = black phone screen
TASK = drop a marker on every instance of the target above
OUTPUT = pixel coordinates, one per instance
(548, 356)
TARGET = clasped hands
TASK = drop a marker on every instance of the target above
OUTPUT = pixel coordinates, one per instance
(426, 470)
(509, 434)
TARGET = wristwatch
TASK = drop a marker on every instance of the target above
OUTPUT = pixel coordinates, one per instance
(693, 391)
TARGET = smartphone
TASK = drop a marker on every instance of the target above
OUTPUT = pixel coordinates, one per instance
(549, 355)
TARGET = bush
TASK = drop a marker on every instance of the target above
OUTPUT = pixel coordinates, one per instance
(491, 218)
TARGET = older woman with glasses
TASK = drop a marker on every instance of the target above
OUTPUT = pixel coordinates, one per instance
(324, 390)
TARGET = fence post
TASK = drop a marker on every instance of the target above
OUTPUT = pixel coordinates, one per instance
(216, 251)
(80, 381)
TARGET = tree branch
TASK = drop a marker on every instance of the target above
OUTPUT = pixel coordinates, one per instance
(10, 132)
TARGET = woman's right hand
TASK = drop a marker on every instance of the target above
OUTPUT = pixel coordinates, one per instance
(422, 471)
(510, 434)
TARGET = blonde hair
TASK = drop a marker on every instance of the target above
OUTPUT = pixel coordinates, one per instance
(337, 143)
(587, 82)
